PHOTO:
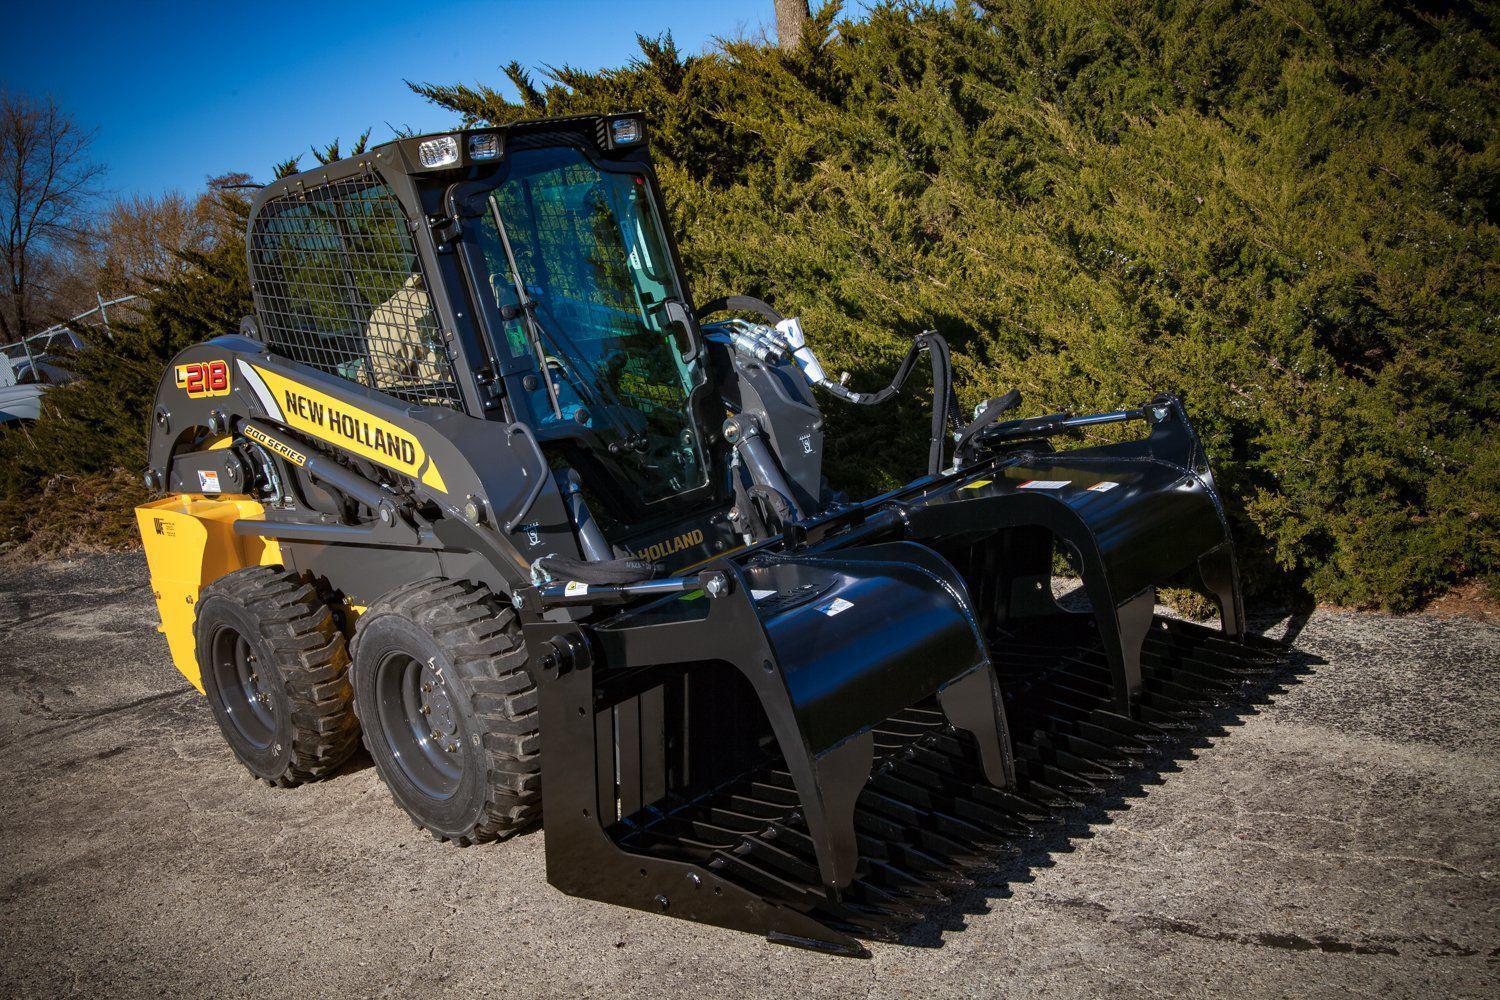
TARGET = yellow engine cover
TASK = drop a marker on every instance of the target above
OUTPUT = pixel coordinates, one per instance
(190, 542)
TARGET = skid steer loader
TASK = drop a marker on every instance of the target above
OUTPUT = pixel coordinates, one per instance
(477, 483)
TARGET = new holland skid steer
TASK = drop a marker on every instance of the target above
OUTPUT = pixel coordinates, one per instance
(477, 483)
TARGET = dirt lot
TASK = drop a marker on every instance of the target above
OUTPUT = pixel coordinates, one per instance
(1341, 840)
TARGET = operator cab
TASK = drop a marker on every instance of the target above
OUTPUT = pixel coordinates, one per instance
(526, 273)
(577, 283)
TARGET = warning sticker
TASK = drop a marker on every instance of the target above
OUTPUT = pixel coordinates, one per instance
(976, 484)
(575, 589)
(761, 595)
(1044, 484)
(208, 481)
(837, 606)
(1103, 487)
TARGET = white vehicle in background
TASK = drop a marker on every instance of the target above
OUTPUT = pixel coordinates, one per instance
(28, 370)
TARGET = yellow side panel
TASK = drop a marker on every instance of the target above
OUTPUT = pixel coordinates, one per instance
(346, 426)
(190, 542)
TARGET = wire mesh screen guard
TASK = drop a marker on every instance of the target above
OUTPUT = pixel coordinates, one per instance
(339, 287)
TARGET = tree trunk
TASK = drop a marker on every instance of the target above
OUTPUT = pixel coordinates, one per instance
(791, 18)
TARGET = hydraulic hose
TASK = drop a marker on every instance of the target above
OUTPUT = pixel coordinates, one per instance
(990, 411)
(741, 303)
(944, 403)
(612, 571)
(942, 389)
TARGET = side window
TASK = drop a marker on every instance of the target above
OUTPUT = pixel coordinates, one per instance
(339, 287)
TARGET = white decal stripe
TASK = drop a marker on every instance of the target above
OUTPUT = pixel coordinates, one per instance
(255, 382)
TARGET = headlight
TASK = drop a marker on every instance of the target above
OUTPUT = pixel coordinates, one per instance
(439, 152)
(626, 131)
(485, 146)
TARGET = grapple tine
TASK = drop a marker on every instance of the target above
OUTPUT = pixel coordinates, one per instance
(762, 850)
(838, 776)
(804, 895)
(1102, 735)
(972, 704)
(971, 806)
(732, 818)
(928, 809)
(1221, 578)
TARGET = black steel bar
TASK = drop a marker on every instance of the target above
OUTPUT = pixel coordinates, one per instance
(628, 754)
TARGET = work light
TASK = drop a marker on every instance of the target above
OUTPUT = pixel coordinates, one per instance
(484, 146)
(626, 131)
(439, 152)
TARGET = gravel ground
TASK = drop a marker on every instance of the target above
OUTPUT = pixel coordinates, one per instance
(1341, 839)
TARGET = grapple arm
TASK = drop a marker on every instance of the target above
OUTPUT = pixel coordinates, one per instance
(830, 645)
(1137, 514)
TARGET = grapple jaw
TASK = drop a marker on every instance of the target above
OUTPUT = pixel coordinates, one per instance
(821, 744)
(1137, 514)
(832, 647)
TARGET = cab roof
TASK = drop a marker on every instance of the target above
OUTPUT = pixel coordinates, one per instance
(405, 156)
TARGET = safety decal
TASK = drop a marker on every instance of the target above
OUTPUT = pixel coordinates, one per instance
(837, 606)
(1103, 487)
(1044, 484)
(202, 379)
(976, 484)
(575, 589)
(208, 481)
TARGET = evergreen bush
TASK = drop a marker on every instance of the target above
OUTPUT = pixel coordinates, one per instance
(1283, 212)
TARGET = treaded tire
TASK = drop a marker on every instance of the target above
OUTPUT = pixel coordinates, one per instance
(467, 646)
(293, 719)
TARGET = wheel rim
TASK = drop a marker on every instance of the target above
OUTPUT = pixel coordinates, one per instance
(243, 695)
(420, 725)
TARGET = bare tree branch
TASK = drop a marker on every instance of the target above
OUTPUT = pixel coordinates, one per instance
(47, 179)
(141, 240)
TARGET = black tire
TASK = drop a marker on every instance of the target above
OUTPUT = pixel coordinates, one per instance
(275, 669)
(449, 710)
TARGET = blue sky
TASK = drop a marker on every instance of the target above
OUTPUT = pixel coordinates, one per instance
(179, 92)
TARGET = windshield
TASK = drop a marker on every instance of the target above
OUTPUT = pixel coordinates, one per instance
(590, 258)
